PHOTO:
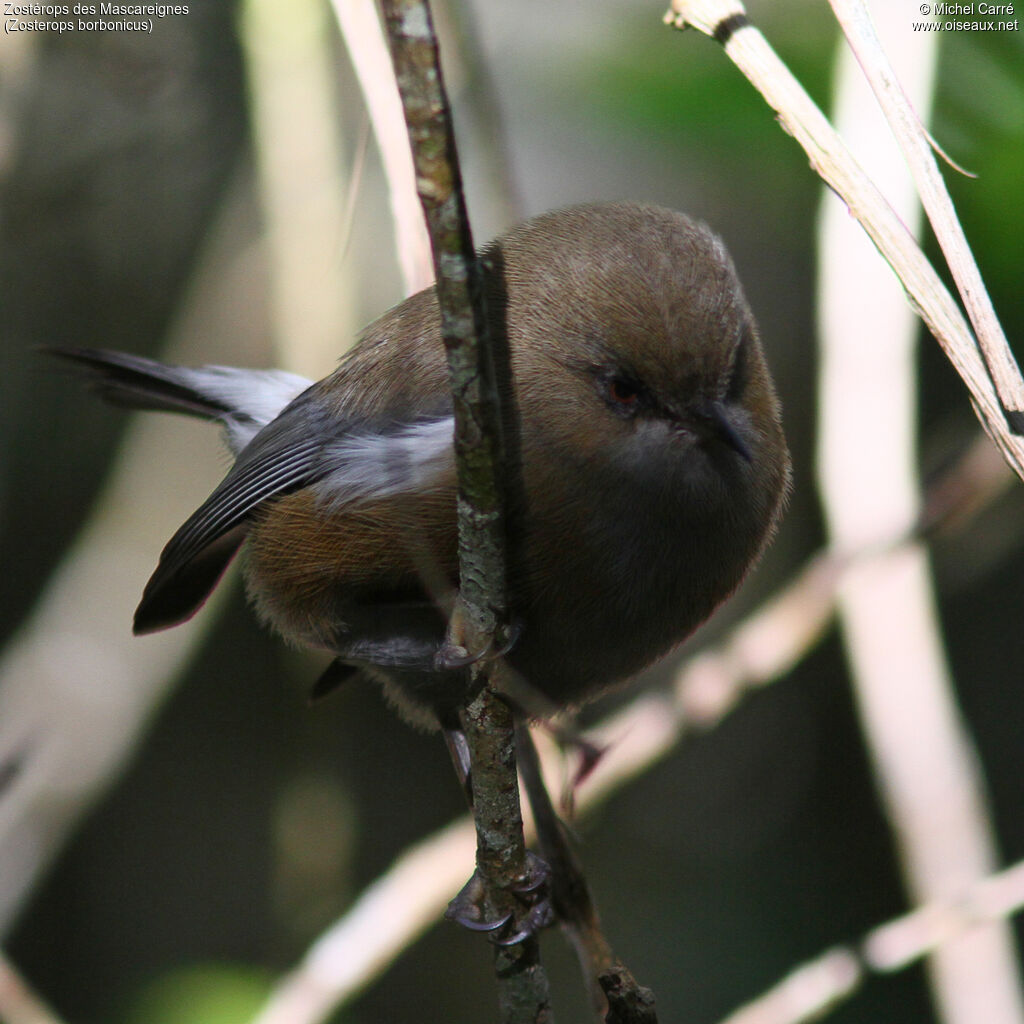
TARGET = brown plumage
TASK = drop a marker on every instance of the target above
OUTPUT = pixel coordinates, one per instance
(650, 454)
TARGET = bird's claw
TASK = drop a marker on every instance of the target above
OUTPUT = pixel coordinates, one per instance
(452, 656)
(467, 908)
(537, 918)
(481, 926)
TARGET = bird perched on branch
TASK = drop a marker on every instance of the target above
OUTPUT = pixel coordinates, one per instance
(649, 465)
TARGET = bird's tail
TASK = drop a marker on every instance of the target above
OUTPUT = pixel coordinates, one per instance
(242, 400)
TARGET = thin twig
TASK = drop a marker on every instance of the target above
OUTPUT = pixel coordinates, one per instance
(464, 324)
(916, 147)
(570, 894)
(726, 21)
(481, 608)
(628, 1002)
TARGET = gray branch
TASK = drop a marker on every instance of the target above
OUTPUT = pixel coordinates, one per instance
(482, 605)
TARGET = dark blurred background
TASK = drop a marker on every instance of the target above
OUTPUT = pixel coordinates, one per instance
(246, 820)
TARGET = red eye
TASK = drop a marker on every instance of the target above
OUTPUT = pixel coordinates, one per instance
(623, 392)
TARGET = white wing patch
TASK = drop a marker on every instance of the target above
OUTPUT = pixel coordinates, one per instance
(372, 466)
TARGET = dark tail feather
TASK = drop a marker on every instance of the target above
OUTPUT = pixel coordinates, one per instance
(139, 383)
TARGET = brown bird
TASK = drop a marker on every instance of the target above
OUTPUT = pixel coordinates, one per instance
(650, 463)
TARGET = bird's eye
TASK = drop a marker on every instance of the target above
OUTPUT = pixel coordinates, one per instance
(622, 392)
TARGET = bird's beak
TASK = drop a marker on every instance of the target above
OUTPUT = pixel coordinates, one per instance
(716, 416)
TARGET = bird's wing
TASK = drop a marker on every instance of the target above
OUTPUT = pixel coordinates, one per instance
(304, 447)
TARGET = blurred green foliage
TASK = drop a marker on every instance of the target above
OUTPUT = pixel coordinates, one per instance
(204, 994)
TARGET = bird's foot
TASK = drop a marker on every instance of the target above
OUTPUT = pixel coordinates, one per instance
(532, 894)
(451, 656)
